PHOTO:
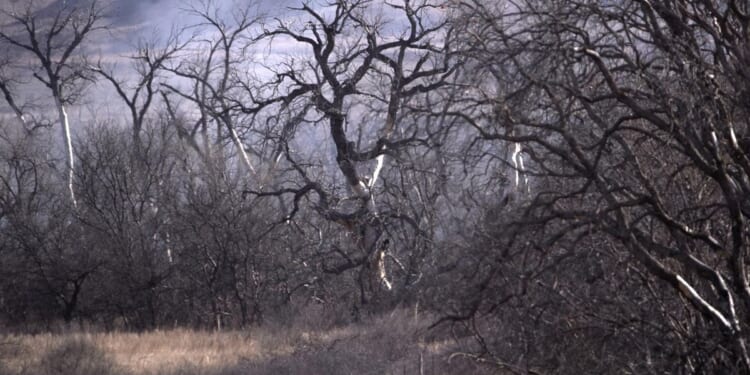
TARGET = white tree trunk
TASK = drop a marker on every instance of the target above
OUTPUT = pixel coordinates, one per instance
(68, 149)
(518, 166)
(378, 167)
(241, 149)
(382, 274)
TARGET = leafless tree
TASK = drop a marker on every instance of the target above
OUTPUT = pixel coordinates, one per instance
(53, 43)
(356, 65)
(148, 60)
(215, 75)
(631, 121)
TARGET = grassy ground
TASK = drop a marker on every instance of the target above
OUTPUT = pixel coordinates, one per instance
(392, 344)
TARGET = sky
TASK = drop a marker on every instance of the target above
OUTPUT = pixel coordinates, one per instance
(160, 12)
(149, 12)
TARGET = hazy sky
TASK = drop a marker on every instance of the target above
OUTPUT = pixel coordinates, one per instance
(158, 12)
(154, 12)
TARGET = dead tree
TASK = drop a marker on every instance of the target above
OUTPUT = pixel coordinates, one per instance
(216, 85)
(148, 61)
(53, 42)
(630, 118)
(350, 59)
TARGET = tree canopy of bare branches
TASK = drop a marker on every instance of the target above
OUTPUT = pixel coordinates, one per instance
(53, 43)
(632, 116)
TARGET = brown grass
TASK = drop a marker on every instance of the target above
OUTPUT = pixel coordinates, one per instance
(391, 344)
(154, 352)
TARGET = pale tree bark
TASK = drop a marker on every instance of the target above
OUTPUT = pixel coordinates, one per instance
(69, 157)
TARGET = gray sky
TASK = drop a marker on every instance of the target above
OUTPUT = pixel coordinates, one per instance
(164, 12)
(153, 12)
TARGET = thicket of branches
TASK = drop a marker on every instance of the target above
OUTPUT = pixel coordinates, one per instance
(563, 183)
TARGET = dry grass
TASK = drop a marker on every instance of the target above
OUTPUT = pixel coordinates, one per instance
(390, 344)
(156, 352)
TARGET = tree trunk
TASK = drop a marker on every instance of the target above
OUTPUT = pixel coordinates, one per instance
(65, 125)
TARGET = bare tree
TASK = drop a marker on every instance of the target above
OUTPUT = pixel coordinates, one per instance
(216, 80)
(629, 115)
(53, 42)
(148, 60)
(354, 67)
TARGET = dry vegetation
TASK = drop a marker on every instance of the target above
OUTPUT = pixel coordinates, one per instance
(390, 344)
(563, 185)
